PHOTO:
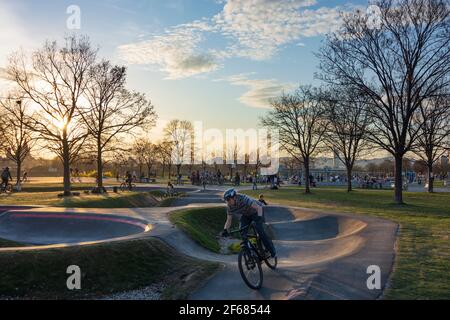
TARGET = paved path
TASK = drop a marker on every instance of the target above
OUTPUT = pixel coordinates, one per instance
(322, 255)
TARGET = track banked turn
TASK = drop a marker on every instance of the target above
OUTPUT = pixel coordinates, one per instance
(50, 228)
(321, 256)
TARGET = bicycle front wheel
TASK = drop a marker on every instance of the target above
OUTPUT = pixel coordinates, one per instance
(250, 269)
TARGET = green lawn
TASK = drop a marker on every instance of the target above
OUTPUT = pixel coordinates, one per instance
(439, 184)
(9, 244)
(46, 194)
(105, 268)
(110, 200)
(423, 261)
(54, 187)
(202, 225)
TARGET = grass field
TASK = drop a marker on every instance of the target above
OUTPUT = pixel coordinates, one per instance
(9, 244)
(205, 224)
(105, 269)
(202, 225)
(110, 200)
(47, 195)
(423, 261)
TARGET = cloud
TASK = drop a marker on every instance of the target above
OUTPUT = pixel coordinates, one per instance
(175, 52)
(254, 29)
(260, 91)
(259, 28)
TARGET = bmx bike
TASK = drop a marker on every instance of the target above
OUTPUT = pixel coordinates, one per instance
(251, 256)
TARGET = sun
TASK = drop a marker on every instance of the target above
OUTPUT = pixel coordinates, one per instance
(61, 123)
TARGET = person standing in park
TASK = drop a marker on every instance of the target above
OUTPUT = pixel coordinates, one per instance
(237, 179)
(254, 183)
(6, 177)
(25, 177)
(170, 189)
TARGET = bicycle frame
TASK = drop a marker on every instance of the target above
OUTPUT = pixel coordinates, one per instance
(248, 244)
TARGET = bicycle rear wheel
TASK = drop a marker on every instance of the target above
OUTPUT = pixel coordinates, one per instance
(271, 262)
(250, 269)
(268, 260)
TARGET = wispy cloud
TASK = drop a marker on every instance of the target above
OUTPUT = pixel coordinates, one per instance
(175, 52)
(255, 29)
(260, 91)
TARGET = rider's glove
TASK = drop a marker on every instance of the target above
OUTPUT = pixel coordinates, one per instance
(225, 233)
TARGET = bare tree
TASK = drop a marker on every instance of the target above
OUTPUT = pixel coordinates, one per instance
(18, 139)
(146, 153)
(113, 111)
(231, 157)
(164, 153)
(299, 119)
(246, 164)
(348, 122)
(397, 65)
(291, 164)
(120, 161)
(256, 154)
(180, 134)
(55, 80)
(433, 141)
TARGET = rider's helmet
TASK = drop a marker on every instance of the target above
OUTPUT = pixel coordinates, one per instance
(230, 193)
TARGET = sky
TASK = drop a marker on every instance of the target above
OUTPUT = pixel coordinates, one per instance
(215, 61)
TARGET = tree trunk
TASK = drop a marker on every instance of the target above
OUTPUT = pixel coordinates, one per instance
(99, 188)
(430, 178)
(398, 197)
(19, 171)
(349, 179)
(178, 173)
(66, 165)
(307, 181)
(164, 170)
(99, 167)
(149, 168)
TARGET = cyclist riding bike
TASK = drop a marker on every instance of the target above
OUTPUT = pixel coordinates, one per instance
(129, 180)
(250, 210)
(6, 177)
